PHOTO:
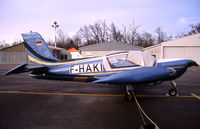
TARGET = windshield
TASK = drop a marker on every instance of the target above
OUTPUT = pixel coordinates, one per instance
(120, 61)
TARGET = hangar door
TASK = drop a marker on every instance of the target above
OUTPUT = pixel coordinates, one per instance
(182, 52)
(174, 52)
(13, 57)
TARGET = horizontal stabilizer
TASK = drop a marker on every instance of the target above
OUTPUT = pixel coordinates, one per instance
(22, 68)
(18, 69)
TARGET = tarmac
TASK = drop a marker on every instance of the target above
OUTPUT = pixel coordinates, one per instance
(29, 103)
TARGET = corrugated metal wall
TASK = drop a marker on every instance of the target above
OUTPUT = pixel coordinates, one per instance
(0, 57)
(184, 52)
(13, 57)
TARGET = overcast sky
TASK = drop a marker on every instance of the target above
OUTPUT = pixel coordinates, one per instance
(21, 16)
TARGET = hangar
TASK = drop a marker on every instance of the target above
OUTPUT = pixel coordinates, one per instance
(61, 53)
(16, 54)
(104, 48)
(186, 47)
(13, 54)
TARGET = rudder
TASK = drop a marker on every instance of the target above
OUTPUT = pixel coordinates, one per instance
(37, 49)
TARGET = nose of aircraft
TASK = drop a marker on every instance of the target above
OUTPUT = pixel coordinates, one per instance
(192, 63)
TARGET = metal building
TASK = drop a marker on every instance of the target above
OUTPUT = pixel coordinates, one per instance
(186, 47)
(104, 48)
(61, 53)
(13, 54)
(16, 54)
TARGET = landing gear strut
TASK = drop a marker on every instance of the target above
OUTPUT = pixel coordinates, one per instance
(173, 91)
(129, 93)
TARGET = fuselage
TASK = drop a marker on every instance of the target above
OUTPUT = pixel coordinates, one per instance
(88, 70)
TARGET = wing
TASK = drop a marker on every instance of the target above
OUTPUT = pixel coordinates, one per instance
(140, 75)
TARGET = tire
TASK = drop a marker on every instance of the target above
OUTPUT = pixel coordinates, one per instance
(129, 96)
(172, 92)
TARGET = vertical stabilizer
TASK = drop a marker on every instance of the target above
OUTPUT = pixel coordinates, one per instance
(37, 49)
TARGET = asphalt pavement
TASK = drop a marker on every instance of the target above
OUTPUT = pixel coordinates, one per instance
(29, 103)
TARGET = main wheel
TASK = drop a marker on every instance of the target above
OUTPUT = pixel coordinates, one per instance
(172, 92)
(129, 96)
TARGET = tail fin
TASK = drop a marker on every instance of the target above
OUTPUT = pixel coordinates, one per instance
(75, 54)
(37, 49)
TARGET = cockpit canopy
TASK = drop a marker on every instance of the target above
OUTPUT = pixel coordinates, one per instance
(131, 59)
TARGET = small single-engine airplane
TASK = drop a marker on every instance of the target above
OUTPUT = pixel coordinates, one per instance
(125, 68)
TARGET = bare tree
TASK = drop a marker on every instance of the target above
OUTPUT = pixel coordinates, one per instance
(71, 44)
(145, 40)
(104, 31)
(64, 41)
(115, 34)
(195, 29)
(95, 32)
(85, 34)
(148, 38)
(170, 37)
(125, 34)
(77, 40)
(100, 32)
(132, 33)
(113, 31)
(161, 35)
(62, 37)
(180, 35)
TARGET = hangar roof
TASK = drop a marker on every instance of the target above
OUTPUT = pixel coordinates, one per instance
(20, 48)
(109, 46)
(191, 40)
(57, 48)
(14, 48)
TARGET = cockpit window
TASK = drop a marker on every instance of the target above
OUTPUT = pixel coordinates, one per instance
(120, 61)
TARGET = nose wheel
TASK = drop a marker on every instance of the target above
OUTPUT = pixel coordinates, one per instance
(129, 93)
(129, 96)
(173, 91)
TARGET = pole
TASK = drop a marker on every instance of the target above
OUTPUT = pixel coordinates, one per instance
(55, 26)
(55, 42)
